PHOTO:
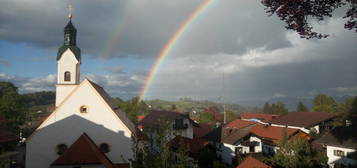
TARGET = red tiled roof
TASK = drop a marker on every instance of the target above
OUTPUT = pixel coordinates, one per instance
(272, 132)
(140, 118)
(155, 117)
(7, 136)
(202, 130)
(259, 116)
(238, 124)
(251, 162)
(302, 119)
(83, 151)
(194, 145)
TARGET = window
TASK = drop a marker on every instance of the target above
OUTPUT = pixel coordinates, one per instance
(338, 153)
(67, 76)
(83, 109)
(238, 150)
(179, 122)
(61, 148)
(104, 147)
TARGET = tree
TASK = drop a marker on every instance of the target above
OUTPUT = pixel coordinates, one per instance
(230, 116)
(294, 152)
(301, 107)
(324, 103)
(133, 108)
(206, 117)
(279, 108)
(11, 105)
(297, 14)
(153, 151)
(267, 108)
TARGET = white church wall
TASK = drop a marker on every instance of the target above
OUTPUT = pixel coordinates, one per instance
(62, 91)
(68, 62)
(67, 124)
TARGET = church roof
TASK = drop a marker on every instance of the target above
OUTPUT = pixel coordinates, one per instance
(108, 100)
(83, 152)
(70, 27)
(113, 106)
(76, 51)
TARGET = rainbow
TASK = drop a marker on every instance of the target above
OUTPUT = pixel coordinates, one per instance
(170, 45)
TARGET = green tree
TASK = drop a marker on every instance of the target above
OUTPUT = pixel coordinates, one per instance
(353, 112)
(230, 116)
(206, 117)
(324, 103)
(301, 107)
(11, 105)
(279, 108)
(154, 151)
(133, 108)
(267, 108)
(294, 152)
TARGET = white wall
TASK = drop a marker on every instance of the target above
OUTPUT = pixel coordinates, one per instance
(188, 133)
(67, 124)
(62, 91)
(306, 130)
(68, 62)
(332, 158)
(258, 148)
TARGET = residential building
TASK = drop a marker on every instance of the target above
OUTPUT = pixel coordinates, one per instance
(178, 123)
(244, 137)
(305, 121)
(258, 117)
(340, 145)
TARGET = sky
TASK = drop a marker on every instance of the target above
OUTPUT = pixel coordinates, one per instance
(233, 49)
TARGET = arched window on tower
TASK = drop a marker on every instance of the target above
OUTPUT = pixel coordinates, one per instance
(67, 76)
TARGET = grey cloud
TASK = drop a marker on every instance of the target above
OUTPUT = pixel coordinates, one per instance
(117, 85)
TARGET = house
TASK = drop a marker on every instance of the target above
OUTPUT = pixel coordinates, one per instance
(244, 137)
(340, 145)
(202, 130)
(194, 146)
(305, 121)
(258, 117)
(178, 123)
(270, 136)
(251, 162)
(85, 119)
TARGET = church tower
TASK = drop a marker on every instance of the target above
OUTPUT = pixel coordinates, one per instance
(68, 63)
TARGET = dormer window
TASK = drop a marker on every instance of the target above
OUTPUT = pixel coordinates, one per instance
(67, 76)
(83, 109)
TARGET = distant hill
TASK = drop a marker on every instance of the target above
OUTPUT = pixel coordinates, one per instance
(186, 105)
(290, 102)
(39, 98)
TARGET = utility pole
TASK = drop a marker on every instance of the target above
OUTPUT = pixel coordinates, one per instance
(224, 103)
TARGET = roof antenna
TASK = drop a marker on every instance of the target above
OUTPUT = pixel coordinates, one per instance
(70, 9)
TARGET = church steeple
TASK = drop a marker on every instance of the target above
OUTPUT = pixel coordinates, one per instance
(70, 33)
(68, 62)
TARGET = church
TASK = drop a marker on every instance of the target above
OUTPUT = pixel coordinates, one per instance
(86, 129)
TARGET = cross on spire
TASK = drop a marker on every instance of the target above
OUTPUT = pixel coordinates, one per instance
(70, 9)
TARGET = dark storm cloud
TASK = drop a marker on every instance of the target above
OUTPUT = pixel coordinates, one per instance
(143, 26)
